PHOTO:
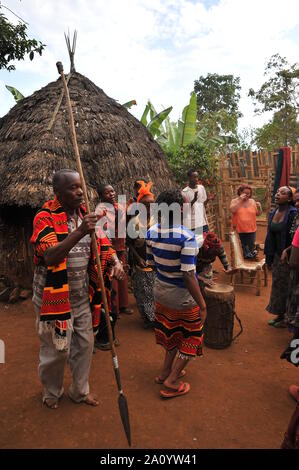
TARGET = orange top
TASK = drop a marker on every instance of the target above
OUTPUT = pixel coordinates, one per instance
(244, 220)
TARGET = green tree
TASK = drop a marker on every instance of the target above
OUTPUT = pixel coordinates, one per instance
(282, 130)
(194, 155)
(280, 94)
(218, 100)
(15, 44)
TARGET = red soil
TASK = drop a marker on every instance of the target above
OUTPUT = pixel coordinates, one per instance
(238, 399)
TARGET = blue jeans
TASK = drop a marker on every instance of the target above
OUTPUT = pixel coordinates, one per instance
(248, 243)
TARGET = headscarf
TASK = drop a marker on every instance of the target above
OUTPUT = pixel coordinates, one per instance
(144, 190)
(211, 241)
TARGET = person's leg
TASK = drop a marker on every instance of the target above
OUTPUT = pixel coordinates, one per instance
(143, 287)
(291, 436)
(102, 334)
(279, 292)
(102, 337)
(123, 297)
(172, 380)
(115, 296)
(244, 242)
(51, 366)
(138, 290)
(251, 243)
(167, 365)
(81, 349)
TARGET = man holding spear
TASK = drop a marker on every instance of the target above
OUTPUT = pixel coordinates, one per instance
(66, 292)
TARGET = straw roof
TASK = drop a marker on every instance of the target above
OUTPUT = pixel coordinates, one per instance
(114, 146)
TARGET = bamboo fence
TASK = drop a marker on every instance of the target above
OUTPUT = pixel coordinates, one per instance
(254, 168)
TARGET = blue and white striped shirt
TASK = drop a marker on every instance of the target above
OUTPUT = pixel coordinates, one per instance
(172, 251)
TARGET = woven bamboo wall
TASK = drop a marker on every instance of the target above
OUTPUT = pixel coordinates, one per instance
(254, 168)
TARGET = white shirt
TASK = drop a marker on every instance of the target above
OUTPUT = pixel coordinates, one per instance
(195, 216)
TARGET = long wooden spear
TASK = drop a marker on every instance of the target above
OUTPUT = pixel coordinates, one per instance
(122, 402)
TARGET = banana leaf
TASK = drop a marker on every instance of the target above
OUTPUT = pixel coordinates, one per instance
(170, 132)
(179, 134)
(163, 141)
(145, 113)
(153, 112)
(189, 114)
(184, 113)
(15, 93)
(155, 124)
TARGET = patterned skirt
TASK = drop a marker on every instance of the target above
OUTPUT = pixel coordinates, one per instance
(143, 288)
(280, 286)
(179, 329)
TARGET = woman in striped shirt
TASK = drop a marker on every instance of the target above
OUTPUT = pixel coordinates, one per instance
(180, 309)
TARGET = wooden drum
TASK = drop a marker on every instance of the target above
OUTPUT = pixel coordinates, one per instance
(219, 324)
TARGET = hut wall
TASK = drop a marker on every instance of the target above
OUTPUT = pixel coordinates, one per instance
(16, 255)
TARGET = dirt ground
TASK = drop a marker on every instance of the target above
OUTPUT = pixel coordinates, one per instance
(238, 399)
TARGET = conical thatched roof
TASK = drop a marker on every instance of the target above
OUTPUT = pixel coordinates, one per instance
(114, 146)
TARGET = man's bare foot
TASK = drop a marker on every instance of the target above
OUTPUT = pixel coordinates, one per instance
(91, 399)
(51, 403)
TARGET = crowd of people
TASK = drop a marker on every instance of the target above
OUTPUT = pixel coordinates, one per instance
(168, 263)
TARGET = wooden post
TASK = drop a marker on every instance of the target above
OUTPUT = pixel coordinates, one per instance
(258, 282)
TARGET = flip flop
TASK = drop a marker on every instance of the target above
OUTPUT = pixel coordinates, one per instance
(182, 390)
(160, 381)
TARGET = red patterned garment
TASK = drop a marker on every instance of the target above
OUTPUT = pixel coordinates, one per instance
(49, 229)
(180, 329)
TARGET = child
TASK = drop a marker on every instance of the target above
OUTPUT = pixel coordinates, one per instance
(180, 309)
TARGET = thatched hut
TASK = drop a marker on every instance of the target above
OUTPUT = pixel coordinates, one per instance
(35, 141)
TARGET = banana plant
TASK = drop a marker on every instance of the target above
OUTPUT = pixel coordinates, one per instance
(183, 132)
(155, 124)
(186, 131)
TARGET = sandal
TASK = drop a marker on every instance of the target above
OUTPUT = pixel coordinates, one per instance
(182, 390)
(159, 381)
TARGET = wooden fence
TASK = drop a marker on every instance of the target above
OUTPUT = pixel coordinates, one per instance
(254, 168)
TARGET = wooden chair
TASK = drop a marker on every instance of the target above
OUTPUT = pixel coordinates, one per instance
(254, 268)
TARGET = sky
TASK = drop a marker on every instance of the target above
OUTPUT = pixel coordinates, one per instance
(155, 49)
